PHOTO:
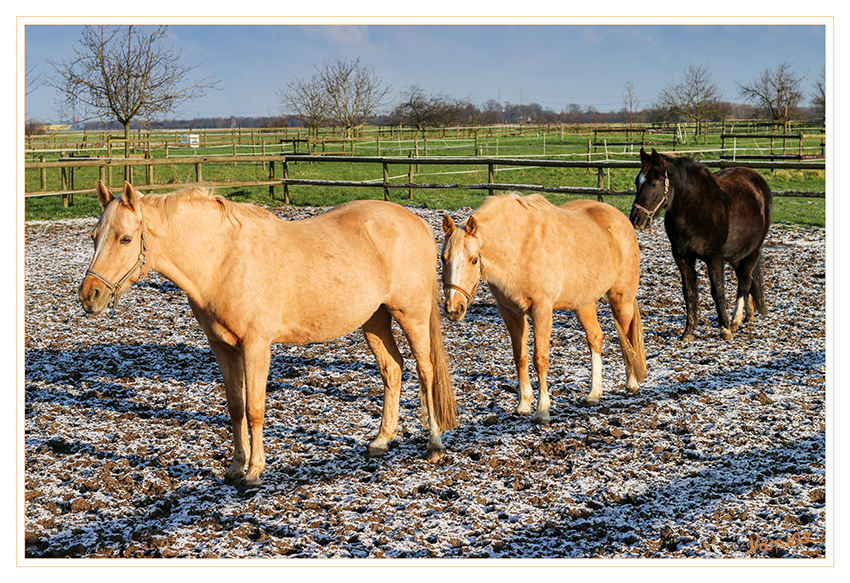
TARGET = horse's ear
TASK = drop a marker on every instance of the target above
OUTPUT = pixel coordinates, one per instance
(104, 197)
(448, 225)
(130, 198)
(643, 156)
(471, 225)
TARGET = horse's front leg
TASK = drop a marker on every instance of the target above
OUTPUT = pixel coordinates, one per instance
(256, 355)
(717, 277)
(687, 269)
(230, 363)
(517, 327)
(541, 320)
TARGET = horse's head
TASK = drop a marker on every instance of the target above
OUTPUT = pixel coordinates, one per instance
(461, 265)
(654, 191)
(119, 249)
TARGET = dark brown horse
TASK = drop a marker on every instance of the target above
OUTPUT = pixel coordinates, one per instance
(715, 217)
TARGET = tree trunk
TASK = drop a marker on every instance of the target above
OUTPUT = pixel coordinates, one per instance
(128, 171)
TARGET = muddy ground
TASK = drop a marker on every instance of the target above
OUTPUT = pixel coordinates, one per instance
(723, 448)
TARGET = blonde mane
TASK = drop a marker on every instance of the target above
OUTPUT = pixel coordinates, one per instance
(169, 202)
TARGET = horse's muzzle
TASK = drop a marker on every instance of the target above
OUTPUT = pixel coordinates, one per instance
(94, 296)
(640, 220)
(455, 313)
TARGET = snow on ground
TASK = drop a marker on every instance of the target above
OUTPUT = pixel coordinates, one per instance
(721, 450)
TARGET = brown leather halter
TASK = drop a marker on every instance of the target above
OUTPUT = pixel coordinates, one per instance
(115, 288)
(463, 292)
(651, 213)
(457, 288)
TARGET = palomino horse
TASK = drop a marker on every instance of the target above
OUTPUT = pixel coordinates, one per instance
(536, 258)
(253, 279)
(716, 218)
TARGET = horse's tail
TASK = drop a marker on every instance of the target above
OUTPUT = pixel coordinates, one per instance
(443, 394)
(757, 288)
(631, 344)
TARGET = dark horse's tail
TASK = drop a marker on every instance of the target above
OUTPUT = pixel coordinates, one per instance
(443, 395)
(757, 289)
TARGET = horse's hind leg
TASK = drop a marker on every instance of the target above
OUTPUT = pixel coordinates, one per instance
(717, 278)
(590, 323)
(749, 288)
(418, 333)
(629, 329)
(541, 320)
(256, 356)
(379, 337)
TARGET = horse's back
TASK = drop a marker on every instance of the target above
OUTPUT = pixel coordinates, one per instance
(336, 269)
(604, 247)
(749, 202)
(604, 222)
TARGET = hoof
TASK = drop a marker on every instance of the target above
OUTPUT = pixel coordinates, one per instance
(726, 334)
(687, 337)
(542, 420)
(373, 451)
(435, 455)
(588, 402)
(232, 478)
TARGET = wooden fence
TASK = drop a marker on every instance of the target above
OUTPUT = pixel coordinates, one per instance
(275, 163)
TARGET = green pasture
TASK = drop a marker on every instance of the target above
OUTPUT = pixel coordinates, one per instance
(791, 210)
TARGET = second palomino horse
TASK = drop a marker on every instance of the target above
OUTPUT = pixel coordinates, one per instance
(536, 258)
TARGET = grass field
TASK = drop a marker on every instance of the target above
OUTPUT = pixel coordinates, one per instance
(794, 210)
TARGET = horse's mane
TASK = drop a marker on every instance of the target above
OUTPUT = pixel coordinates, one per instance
(686, 164)
(169, 202)
(532, 202)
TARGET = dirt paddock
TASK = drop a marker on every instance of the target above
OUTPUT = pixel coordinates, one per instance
(719, 455)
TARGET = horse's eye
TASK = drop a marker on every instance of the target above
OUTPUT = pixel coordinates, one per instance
(475, 260)
(125, 240)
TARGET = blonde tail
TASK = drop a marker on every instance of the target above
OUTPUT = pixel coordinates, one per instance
(634, 353)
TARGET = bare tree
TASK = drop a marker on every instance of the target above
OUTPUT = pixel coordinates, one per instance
(307, 101)
(354, 92)
(416, 108)
(695, 98)
(775, 93)
(630, 103)
(819, 95)
(123, 74)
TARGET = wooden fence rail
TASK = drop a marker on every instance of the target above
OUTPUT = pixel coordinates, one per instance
(68, 189)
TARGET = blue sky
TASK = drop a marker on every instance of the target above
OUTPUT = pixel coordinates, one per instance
(553, 65)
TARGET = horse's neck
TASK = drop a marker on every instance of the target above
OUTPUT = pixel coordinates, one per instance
(498, 240)
(185, 249)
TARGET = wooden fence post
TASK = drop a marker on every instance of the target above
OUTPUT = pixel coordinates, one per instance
(386, 182)
(199, 173)
(285, 184)
(271, 178)
(491, 176)
(600, 182)
(43, 174)
(410, 178)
